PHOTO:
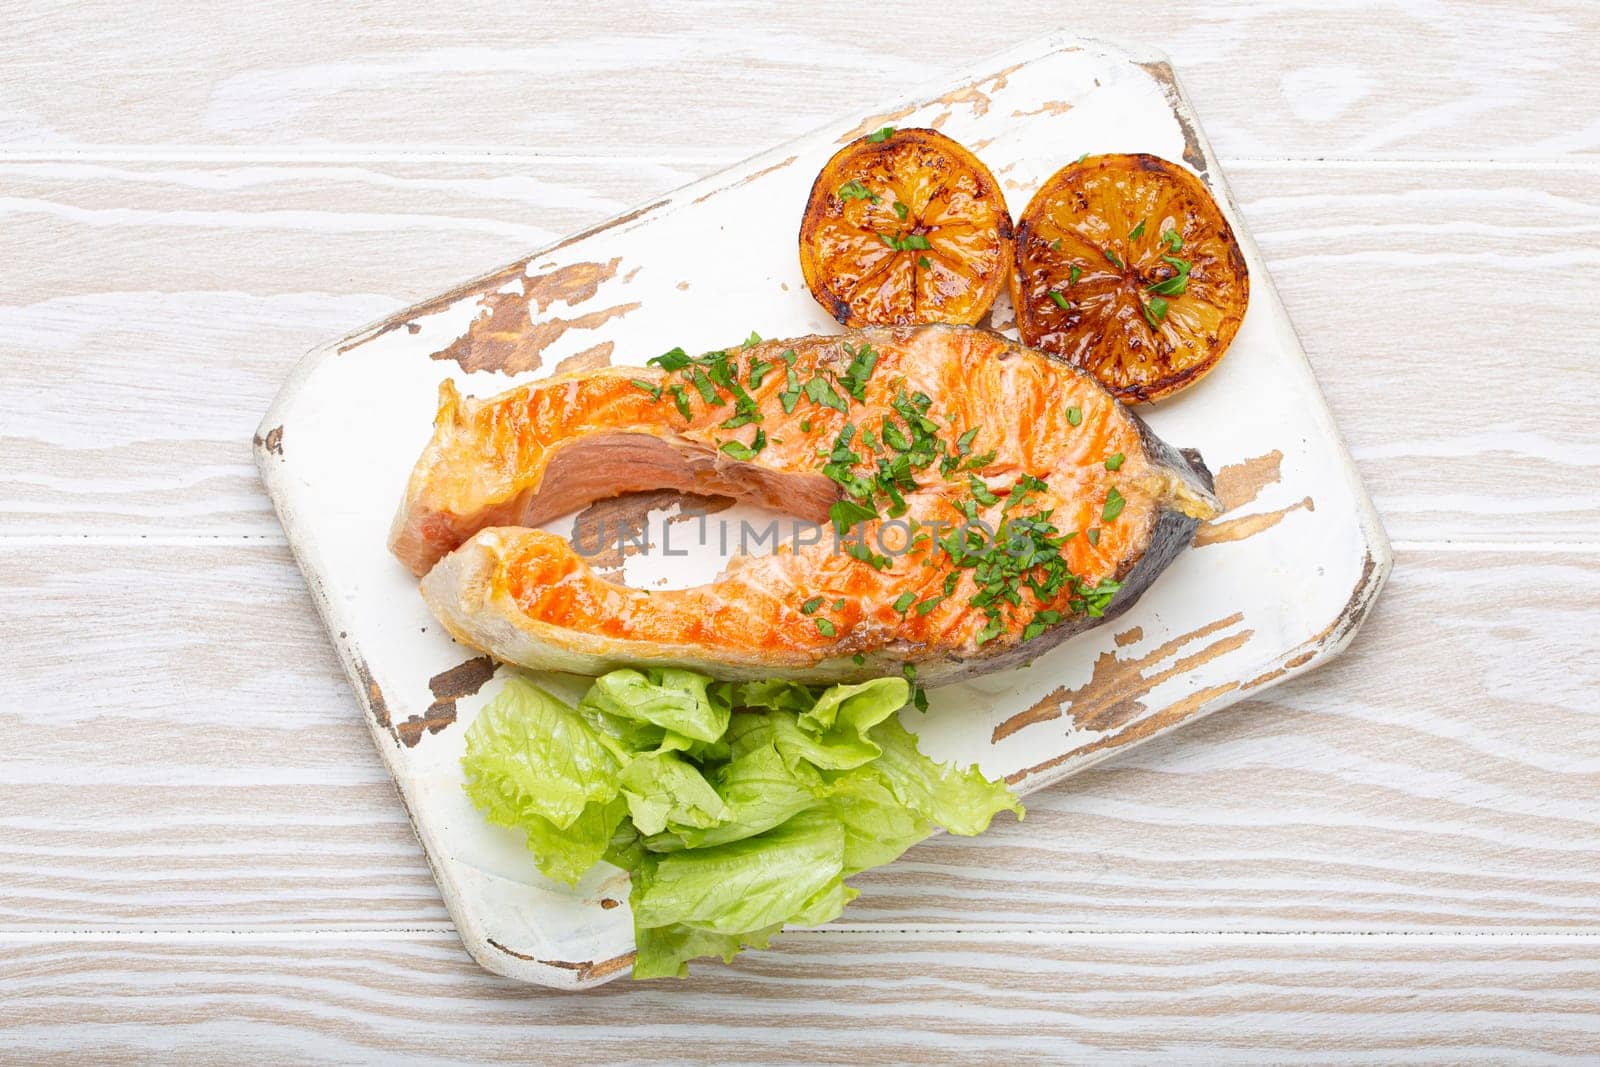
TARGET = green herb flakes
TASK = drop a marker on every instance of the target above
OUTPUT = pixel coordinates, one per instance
(1114, 505)
(854, 190)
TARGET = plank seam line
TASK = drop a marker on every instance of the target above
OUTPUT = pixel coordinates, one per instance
(447, 932)
(475, 154)
(277, 540)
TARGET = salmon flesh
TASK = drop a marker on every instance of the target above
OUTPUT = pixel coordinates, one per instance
(978, 503)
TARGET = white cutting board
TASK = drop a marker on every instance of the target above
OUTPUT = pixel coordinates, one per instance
(1275, 587)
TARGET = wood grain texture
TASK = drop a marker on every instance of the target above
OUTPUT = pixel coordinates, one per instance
(979, 998)
(160, 370)
(1453, 79)
(191, 197)
(211, 769)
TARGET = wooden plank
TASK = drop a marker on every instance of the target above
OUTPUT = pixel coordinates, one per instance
(194, 759)
(975, 998)
(164, 355)
(1446, 80)
(160, 372)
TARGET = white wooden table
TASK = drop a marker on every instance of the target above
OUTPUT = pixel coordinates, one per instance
(1395, 859)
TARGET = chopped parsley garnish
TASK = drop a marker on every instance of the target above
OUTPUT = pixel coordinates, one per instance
(904, 601)
(919, 698)
(1081, 158)
(810, 607)
(825, 627)
(791, 394)
(922, 261)
(881, 135)
(1175, 284)
(677, 359)
(1114, 505)
(858, 550)
(1074, 272)
(708, 392)
(964, 442)
(1055, 246)
(901, 210)
(855, 376)
(927, 606)
(1060, 301)
(858, 659)
(1040, 622)
(743, 452)
(911, 242)
(981, 491)
(680, 399)
(1075, 416)
(1115, 262)
(846, 513)
(753, 339)
(649, 387)
(1114, 462)
(1172, 240)
(1093, 535)
(854, 190)
(980, 461)
(758, 372)
(838, 605)
(1155, 309)
(1095, 599)
(1137, 232)
(819, 391)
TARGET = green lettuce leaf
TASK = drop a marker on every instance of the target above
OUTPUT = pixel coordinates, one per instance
(664, 790)
(640, 708)
(567, 854)
(774, 694)
(961, 800)
(535, 765)
(792, 870)
(731, 825)
(843, 715)
(665, 951)
(760, 788)
(877, 826)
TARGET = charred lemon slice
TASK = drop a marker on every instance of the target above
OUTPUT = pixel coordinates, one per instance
(905, 227)
(1125, 267)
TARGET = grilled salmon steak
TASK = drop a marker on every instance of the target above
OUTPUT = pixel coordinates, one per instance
(976, 504)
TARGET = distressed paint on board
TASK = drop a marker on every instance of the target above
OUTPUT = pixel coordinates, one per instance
(1281, 601)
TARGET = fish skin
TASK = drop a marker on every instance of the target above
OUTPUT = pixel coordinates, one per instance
(491, 591)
